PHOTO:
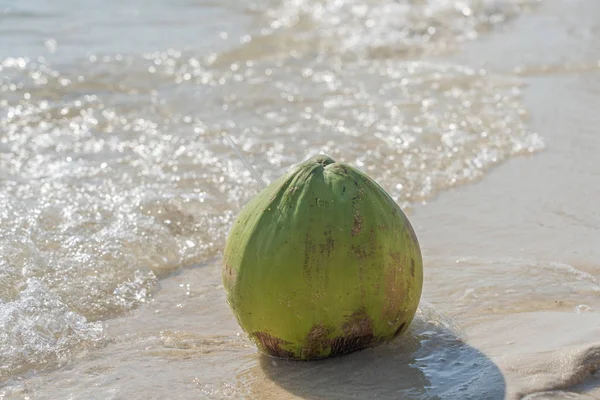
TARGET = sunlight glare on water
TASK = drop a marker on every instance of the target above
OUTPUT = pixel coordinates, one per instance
(389, 28)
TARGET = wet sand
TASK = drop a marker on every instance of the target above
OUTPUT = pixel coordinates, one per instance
(537, 209)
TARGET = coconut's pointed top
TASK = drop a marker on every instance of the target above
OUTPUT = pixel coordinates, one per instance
(321, 159)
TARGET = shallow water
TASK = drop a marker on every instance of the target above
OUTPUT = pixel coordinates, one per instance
(118, 187)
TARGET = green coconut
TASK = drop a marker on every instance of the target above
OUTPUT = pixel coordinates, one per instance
(322, 263)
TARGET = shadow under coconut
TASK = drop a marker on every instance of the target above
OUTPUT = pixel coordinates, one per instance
(428, 362)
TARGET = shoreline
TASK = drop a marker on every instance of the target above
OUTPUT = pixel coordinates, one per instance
(547, 214)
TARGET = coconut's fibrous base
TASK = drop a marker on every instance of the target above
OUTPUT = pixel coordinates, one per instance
(322, 263)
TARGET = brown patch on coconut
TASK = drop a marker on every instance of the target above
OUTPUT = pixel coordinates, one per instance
(329, 245)
(359, 252)
(357, 226)
(271, 345)
(316, 342)
(358, 335)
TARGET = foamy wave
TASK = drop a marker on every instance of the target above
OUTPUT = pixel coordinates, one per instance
(559, 267)
(496, 287)
(37, 330)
